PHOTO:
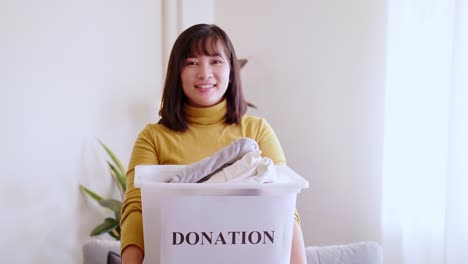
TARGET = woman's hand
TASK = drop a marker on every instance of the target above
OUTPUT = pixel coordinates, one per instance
(132, 255)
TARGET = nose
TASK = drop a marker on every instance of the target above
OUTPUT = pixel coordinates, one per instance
(204, 72)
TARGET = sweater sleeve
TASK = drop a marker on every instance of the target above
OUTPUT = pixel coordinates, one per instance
(269, 143)
(144, 152)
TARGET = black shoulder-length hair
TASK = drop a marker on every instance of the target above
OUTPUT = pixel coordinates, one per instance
(200, 39)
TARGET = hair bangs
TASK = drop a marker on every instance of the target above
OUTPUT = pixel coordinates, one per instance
(207, 45)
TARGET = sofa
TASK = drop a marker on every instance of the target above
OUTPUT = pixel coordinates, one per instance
(102, 251)
(367, 252)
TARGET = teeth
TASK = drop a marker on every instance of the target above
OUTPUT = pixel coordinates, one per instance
(205, 86)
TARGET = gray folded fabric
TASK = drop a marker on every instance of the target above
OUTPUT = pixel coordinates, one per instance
(226, 156)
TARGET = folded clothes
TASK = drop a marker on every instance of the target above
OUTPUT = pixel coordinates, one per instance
(203, 169)
(250, 168)
(266, 172)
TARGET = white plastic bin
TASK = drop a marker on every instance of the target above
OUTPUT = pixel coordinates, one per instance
(217, 222)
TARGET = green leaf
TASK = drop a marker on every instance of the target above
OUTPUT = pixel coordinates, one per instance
(105, 227)
(242, 62)
(112, 204)
(118, 177)
(118, 172)
(114, 158)
(91, 194)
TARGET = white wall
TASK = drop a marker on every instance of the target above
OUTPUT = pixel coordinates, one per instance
(70, 71)
(74, 70)
(195, 12)
(316, 72)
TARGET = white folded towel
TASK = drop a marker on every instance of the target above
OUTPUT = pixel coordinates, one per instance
(250, 168)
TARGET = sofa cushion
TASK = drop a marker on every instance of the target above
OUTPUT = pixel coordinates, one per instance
(366, 252)
(113, 258)
(96, 251)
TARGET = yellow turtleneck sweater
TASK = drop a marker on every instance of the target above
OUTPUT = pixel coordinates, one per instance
(207, 133)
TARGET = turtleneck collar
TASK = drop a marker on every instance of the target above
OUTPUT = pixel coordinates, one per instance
(206, 115)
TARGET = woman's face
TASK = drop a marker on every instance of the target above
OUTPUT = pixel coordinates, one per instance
(205, 79)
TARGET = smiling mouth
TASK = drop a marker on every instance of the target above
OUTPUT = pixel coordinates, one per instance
(205, 86)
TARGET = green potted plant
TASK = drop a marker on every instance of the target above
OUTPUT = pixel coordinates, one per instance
(110, 225)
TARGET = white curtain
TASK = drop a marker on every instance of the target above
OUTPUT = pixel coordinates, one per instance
(425, 168)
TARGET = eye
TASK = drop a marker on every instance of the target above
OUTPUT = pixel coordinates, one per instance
(191, 62)
(216, 61)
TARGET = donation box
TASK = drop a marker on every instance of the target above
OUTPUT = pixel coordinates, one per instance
(228, 223)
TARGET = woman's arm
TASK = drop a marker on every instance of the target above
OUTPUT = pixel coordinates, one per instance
(131, 243)
(271, 147)
(132, 255)
(298, 255)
